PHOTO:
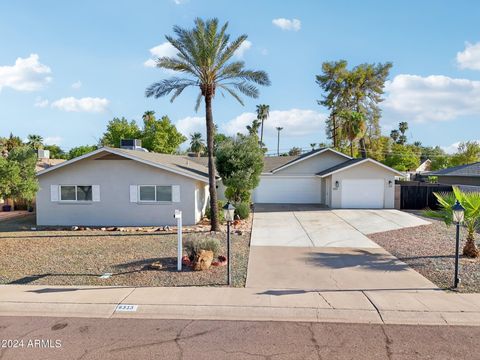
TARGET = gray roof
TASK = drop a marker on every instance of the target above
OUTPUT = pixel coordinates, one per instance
(472, 170)
(339, 166)
(178, 162)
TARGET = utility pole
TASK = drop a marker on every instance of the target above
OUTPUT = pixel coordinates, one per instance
(278, 140)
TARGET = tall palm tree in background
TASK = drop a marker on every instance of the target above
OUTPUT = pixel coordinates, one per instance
(354, 126)
(35, 141)
(197, 145)
(312, 145)
(147, 115)
(263, 111)
(253, 128)
(203, 56)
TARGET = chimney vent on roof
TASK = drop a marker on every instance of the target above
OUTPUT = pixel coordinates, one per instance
(43, 154)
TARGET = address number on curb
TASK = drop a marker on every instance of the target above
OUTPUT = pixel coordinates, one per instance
(124, 307)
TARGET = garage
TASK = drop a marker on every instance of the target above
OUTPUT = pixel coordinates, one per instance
(362, 193)
(288, 190)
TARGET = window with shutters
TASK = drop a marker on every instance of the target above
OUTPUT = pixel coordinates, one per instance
(76, 192)
(155, 193)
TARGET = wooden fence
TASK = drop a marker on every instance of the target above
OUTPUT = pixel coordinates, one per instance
(416, 195)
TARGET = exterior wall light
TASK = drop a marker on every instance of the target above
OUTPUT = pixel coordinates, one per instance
(390, 183)
(337, 184)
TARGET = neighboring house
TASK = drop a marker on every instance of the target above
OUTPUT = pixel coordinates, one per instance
(326, 176)
(120, 187)
(459, 175)
(45, 163)
(424, 166)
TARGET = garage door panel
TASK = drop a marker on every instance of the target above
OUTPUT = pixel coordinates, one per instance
(362, 193)
(288, 190)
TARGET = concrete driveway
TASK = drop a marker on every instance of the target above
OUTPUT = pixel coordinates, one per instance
(309, 247)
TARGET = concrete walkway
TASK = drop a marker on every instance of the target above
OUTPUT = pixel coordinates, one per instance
(426, 307)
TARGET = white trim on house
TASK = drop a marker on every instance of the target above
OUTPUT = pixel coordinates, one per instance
(128, 156)
(358, 163)
(300, 159)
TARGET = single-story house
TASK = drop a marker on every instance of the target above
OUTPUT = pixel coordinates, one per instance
(121, 187)
(326, 176)
(459, 175)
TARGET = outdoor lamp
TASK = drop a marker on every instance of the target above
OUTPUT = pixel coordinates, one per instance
(458, 212)
(228, 212)
(390, 183)
(337, 184)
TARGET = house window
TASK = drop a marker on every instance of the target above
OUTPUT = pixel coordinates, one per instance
(76, 193)
(155, 193)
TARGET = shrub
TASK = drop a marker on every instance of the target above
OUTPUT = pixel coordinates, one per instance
(237, 195)
(220, 211)
(242, 210)
(193, 247)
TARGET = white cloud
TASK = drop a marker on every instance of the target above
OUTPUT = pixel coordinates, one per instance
(287, 24)
(453, 148)
(431, 98)
(86, 104)
(164, 49)
(53, 140)
(244, 46)
(41, 103)
(191, 124)
(28, 74)
(469, 58)
(296, 123)
(77, 85)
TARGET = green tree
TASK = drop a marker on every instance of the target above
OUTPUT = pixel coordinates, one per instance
(439, 159)
(55, 152)
(467, 153)
(10, 176)
(203, 57)
(197, 144)
(80, 150)
(394, 134)
(25, 158)
(161, 136)
(13, 142)
(253, 128)
(118, 129)
(263, 112)
(239, 164)
(35, 141)
(402, 158)
(471, 203)
(295, 151)
(353, 126)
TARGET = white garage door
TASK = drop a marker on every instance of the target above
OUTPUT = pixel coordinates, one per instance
(288, 190)
(362, 193)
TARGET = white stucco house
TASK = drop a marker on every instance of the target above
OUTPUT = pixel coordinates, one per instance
(120, 187)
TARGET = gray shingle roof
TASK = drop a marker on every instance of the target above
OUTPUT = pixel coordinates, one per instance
(339, 166)
(462, 170)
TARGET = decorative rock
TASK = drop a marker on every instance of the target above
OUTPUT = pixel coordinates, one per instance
(239, 232)
(74, 228)
(203, 260)
(186, 261)
(157, 265)
(166, 228)
(103, 229)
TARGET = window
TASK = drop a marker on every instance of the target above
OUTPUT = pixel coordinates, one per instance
(76, 192)
(155, 193)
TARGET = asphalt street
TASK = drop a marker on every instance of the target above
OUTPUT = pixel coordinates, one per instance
(86, 338)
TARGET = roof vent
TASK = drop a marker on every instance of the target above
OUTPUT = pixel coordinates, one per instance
(43, 154)
(132, 144)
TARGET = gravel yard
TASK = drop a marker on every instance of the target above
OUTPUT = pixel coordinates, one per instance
(80, 257)
(430, 250)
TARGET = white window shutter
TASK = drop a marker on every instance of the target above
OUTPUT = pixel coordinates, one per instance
(175, 193)
(96, 192)
(54, 192)
(133, 193)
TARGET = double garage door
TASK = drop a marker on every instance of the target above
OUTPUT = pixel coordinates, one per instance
(288, 190)
(354, 193)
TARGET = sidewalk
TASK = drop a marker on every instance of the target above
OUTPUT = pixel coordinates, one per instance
(409, 306)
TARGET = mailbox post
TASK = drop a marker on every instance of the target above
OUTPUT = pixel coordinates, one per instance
(178, 216)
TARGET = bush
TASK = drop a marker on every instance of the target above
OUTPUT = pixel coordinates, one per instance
(235, 195)
(220, 211)
(242, 210)
(193, 247)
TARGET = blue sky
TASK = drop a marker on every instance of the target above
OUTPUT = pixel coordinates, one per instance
(67, 68)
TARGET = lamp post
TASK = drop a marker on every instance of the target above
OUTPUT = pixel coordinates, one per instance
(228, 214)
(278, 140)
(458, 215)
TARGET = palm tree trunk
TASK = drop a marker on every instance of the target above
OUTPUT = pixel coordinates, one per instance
(470, 249)
(261, 135)
(212, 186)
(351, 148)
(363, 149)
(334, 131)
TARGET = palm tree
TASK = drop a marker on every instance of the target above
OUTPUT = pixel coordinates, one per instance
(471, 203)
(403, 126)
(203, 56)
(197, 144)
(263, 112)
(35, 141)
(354, 126)
(253, 129)
(312, 145)
(394, 134)
(147, 115)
